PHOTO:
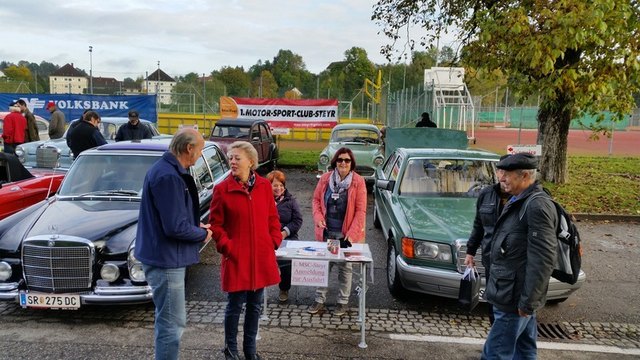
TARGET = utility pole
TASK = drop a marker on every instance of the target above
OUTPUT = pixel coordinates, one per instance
(158, 79)
(90, 69)
(204, 96)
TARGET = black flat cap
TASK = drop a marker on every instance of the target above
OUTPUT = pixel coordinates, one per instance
(133, 113)
(519, 161)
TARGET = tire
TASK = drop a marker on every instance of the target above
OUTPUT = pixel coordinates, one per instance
(376, 219)
(393, 277)
(556, 301)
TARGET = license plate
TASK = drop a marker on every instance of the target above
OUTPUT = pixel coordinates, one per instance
(49, 301)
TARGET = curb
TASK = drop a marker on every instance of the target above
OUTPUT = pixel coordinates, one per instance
(607, 217)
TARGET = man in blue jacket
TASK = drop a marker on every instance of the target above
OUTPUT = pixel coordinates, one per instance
(169, 236)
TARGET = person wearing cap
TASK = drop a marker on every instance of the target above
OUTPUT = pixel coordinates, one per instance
(522, 255)
(15, 127)
(57, 121)
(489, 205)
(85, 134)
(32, 127)
(134, 129)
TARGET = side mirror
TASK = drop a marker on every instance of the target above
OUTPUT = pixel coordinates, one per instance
(385, 184)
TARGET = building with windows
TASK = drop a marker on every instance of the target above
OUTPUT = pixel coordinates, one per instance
(160, 84)
(68, 80)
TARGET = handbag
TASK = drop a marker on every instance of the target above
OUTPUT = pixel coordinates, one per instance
(469, 292)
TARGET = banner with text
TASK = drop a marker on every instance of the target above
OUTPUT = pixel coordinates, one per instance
(282, 113)
(73, 105)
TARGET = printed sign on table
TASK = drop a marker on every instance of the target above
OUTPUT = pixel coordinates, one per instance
(309, 272)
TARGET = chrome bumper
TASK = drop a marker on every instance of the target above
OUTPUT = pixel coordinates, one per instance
(446, 283)
(107, 295)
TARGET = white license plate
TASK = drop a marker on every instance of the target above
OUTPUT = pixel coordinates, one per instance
(50, 301)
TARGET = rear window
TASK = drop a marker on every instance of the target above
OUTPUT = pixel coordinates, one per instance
(230, 132)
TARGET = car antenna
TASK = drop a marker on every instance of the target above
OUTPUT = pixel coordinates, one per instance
(51, 183)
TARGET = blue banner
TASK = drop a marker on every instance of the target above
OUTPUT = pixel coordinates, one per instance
(73, 105)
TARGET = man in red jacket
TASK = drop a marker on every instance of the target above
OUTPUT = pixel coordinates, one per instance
(15, 126)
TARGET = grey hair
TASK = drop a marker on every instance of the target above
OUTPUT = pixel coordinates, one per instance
(248, 149)
(531, 172)
(181, 141)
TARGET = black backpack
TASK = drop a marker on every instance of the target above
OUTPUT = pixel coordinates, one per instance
(569, 249)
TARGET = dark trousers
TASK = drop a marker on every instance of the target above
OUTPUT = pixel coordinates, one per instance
(285, 274)
(253, 300)
(10, 148)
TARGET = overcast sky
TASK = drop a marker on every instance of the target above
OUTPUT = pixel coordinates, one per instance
(129, 37)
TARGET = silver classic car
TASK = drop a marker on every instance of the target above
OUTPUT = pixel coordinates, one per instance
(77, 248)
(56, 153)
(365, 142)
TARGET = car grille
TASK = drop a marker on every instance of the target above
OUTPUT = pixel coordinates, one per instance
(57, 266)
(47, 156)
(462, 253)
(364, 171)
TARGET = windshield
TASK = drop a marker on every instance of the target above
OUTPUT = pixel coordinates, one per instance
(447, 177)
(230, 131)
(107, 174)
(355, 135)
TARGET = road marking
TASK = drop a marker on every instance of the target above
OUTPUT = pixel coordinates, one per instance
(541, 344)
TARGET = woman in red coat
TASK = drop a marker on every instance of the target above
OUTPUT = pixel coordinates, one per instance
(246, 228)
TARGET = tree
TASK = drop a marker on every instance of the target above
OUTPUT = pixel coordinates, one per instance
(18, 73)
(581, 56)
(357, 68)
(264, 86)
(235, 79)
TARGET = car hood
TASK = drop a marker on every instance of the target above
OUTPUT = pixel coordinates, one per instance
(364, 153)
(223, 142)
(439, 219)
(110, 225)
(31, 147)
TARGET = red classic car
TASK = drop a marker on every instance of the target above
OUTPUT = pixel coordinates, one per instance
(20, 188)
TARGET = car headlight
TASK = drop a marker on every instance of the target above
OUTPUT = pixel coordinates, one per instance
(378, 161)
(19, 151)
(324, 159)
(110, 272)
(5, 271)
(135, 268)
(425, 250)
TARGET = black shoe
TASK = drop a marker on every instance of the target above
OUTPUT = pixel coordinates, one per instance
(230, 355)
(252, 357)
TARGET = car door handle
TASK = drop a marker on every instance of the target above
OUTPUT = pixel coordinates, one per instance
(15, 188)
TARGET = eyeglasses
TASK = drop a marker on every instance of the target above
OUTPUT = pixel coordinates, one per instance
(344, 160)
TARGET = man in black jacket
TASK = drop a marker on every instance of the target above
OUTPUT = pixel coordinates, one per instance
(134, 129)
(523, 249)
(489, 206)
(85, 135)
(426, 121)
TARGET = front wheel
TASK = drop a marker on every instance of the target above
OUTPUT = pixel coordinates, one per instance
(393, 277)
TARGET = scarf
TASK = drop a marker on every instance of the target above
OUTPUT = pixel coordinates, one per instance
(336, 185)
(248, 186)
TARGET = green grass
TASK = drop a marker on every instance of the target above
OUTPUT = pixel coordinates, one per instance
(600, 185)
(596, 185)
(300, 158)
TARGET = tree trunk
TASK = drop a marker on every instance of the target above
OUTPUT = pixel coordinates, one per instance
(554, 118)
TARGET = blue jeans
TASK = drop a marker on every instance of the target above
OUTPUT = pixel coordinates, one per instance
(511, 337)
(251, 319)
(171, 315)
